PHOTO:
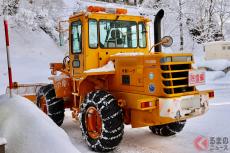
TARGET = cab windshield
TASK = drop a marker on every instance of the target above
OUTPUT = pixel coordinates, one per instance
(118, 34)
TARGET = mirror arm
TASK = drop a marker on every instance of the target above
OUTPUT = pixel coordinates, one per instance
(160, 43)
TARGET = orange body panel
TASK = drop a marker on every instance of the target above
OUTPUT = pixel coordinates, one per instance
(62, 86)
(139, 68)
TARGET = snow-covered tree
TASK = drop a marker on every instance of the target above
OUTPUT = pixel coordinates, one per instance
(10, 7)
(172, 8)
(154, 4)
(222, 11)
(188, 21)
(201, 21)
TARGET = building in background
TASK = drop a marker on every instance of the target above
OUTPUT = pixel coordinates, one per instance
(126, 2)
(217, 50)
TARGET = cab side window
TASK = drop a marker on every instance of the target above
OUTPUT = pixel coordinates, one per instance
(93, 36)
(142, 35)
(76, 37)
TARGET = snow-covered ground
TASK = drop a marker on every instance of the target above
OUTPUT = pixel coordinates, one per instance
(28, 130)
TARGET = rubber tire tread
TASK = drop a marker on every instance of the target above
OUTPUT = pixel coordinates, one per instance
(168, 129)
(112, 118)
(55, 106)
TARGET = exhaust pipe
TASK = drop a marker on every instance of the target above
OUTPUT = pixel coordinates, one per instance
(157, 29)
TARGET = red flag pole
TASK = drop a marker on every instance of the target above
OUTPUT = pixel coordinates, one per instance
(8, 54)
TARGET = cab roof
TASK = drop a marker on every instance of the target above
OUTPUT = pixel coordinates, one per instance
(99, 13)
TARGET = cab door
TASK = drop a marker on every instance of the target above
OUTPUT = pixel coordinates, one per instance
(76, 48)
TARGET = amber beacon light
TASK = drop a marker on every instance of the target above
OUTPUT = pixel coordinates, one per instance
(107, 10)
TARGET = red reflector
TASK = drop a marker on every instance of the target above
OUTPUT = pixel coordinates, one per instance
(146, 104)
(211, 94)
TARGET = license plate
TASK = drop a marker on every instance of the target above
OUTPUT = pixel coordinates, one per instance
(196, 77)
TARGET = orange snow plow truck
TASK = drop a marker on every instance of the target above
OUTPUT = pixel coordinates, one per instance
(111, 77)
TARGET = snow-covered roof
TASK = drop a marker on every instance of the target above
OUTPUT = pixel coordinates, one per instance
(217, 43)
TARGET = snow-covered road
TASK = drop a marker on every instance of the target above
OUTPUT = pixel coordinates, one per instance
(215, 123)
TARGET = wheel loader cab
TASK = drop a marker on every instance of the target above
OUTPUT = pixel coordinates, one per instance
(94, 37)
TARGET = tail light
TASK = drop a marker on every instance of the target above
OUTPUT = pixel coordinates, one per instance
(146, 104)
(211, 94)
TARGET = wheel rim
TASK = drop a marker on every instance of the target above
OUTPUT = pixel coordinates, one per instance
(93, 123)
(43, 106)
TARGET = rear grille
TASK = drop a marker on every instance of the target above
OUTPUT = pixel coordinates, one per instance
(175, 78)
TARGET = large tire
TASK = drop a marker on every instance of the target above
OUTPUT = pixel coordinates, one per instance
(54, 107)
(168, 129)
(108, 128)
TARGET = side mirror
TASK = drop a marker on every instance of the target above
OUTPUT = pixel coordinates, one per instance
(167, 41)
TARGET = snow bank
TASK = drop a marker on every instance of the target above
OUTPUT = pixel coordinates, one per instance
(106, 68)
(213, 43)
(214, 75)
(228, 75)
(3, 141)
(216, 65)
(28, 130)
